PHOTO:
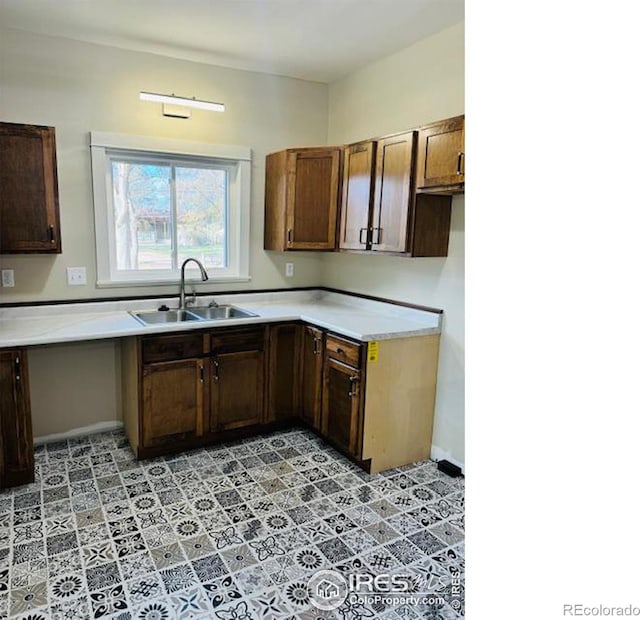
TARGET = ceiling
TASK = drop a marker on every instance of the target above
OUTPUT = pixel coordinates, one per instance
(319, 40)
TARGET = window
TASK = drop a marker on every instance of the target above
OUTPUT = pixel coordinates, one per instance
(158, 202)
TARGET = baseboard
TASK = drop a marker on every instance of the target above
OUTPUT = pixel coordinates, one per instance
(92, 429)
(438, 453)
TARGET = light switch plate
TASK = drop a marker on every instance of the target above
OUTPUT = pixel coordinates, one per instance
(76, 276)
(288, 270)
(7, 278)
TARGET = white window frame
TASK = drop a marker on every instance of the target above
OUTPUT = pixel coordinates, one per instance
(236, 160)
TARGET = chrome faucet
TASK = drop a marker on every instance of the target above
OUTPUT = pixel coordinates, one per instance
(203, 273)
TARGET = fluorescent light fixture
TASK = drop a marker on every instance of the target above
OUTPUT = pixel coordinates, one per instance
(183, 101)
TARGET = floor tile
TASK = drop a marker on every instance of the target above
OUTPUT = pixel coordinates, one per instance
(228, 531)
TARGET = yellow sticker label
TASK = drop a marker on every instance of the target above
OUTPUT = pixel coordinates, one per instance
(372, 354)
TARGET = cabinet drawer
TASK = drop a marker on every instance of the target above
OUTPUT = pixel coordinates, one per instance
(344, 350)
(234, 339)
(174, 347)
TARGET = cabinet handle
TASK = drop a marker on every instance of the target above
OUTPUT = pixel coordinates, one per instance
(360, 237)
(201, 372)
(459, 168)
(316, 351)
(216, 371)
(289, 235)
(378, 236)
(52, 236)
(17, 369)
(353, 386)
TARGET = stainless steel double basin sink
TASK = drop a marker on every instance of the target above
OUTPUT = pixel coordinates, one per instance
(216, 313)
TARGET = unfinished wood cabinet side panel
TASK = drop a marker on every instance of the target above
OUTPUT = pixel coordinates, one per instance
(130, 391)
(275, 201)
(399, 403)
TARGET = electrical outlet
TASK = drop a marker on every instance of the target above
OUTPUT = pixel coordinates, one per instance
(7, 278)
(288, 270)
(76, 276)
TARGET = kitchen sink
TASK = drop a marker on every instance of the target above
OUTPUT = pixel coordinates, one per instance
(155, 317)
(221, 312)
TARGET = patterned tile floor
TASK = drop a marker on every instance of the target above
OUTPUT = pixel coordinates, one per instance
(231, 532)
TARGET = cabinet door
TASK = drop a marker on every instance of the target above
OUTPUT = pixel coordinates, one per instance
(341, 406)
(357, 193)
(393, 192)
(237, 390)
(313, 182)
(173, 401)
(311, 376)
(16, 441)
(440, 161)
(29, 218)
(282, 372)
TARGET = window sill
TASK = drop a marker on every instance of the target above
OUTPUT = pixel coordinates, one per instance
(190, 281)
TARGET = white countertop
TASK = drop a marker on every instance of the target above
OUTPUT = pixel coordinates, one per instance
(344, 314)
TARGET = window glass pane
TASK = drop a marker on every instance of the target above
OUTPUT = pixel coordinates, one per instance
(142, 215)
(201, 215)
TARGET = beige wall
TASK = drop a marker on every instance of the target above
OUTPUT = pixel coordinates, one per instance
(74, 385)
(79, 87)
(422, 83)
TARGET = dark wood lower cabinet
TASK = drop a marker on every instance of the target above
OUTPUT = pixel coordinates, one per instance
(283, 371)
(311, 376)
(237, 390)
(173, 401)
(342, 404)
(372, 401)
(16, 440)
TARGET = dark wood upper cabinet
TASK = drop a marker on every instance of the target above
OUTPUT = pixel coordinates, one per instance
(29, 213)
(16, 440)
(358, 180)
(393, 192)
(440, 160)
(382, 212)
(301, 199)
